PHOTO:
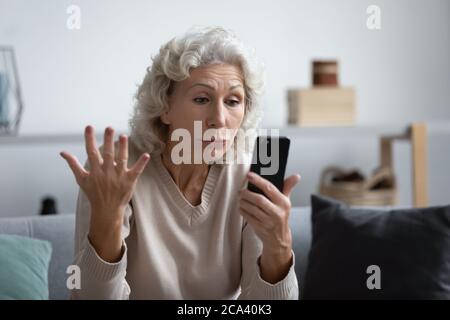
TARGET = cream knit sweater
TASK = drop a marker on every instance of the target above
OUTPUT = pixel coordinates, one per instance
(173, 250)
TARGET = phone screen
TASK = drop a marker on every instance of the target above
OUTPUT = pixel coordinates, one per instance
(269, 160)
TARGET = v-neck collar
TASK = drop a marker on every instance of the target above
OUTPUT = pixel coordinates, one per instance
(192, 213)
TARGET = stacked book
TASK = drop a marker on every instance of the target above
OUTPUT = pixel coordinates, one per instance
(325, 104)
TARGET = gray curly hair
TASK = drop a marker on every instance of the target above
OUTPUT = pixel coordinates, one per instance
(198, 47)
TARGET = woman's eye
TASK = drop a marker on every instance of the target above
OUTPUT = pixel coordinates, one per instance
(233, 103)
(201, 100)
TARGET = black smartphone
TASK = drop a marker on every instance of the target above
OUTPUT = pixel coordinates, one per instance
(269, 160)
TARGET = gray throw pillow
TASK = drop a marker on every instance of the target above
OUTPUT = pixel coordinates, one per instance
(361, 253)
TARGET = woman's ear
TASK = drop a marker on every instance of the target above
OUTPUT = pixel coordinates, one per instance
(165, 118)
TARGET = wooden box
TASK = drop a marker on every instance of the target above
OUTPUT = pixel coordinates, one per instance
(326, 106)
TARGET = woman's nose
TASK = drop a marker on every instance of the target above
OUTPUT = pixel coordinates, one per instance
(217, 116)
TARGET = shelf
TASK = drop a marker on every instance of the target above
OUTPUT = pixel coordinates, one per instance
(28, 139)
(435, 128)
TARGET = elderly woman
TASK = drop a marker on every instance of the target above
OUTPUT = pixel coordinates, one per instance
(149, 227)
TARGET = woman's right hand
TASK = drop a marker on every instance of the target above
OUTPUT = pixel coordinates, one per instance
(109, 186)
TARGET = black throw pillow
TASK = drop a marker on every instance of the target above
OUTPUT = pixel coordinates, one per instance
(359, 253)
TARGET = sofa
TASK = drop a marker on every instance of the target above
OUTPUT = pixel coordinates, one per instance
(59, 230)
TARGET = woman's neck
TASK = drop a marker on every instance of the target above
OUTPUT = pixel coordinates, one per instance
(190, 178)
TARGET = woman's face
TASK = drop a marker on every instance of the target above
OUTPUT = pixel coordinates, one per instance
(213, 97)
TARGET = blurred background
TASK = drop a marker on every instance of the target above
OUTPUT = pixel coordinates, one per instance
(395, 59)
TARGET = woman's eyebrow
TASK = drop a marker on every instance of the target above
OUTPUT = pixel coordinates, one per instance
(236, 86)
(211, 87)
(202, 85)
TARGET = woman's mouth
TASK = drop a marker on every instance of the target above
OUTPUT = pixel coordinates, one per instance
(218, 142)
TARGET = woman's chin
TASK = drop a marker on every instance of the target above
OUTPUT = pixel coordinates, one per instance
(220, 155)
(213, 156)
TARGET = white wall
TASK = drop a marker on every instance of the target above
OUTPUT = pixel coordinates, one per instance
(72, 78)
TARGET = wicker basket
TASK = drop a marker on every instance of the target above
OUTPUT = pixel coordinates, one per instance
(378, 190)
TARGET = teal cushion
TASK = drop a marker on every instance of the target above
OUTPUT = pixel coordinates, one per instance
(24, 266)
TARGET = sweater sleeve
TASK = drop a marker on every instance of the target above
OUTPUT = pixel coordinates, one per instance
(252, 285)
(98, 279)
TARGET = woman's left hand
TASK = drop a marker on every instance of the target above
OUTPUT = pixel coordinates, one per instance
(269, 217)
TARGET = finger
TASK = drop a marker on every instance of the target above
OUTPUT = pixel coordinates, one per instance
(260, 215)
(258, 200)
(290, 183)
(78, 171)
(266, 186)
(108, 148)
(251, 219)
(122, 158)
(94, 156)
(139, 166)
